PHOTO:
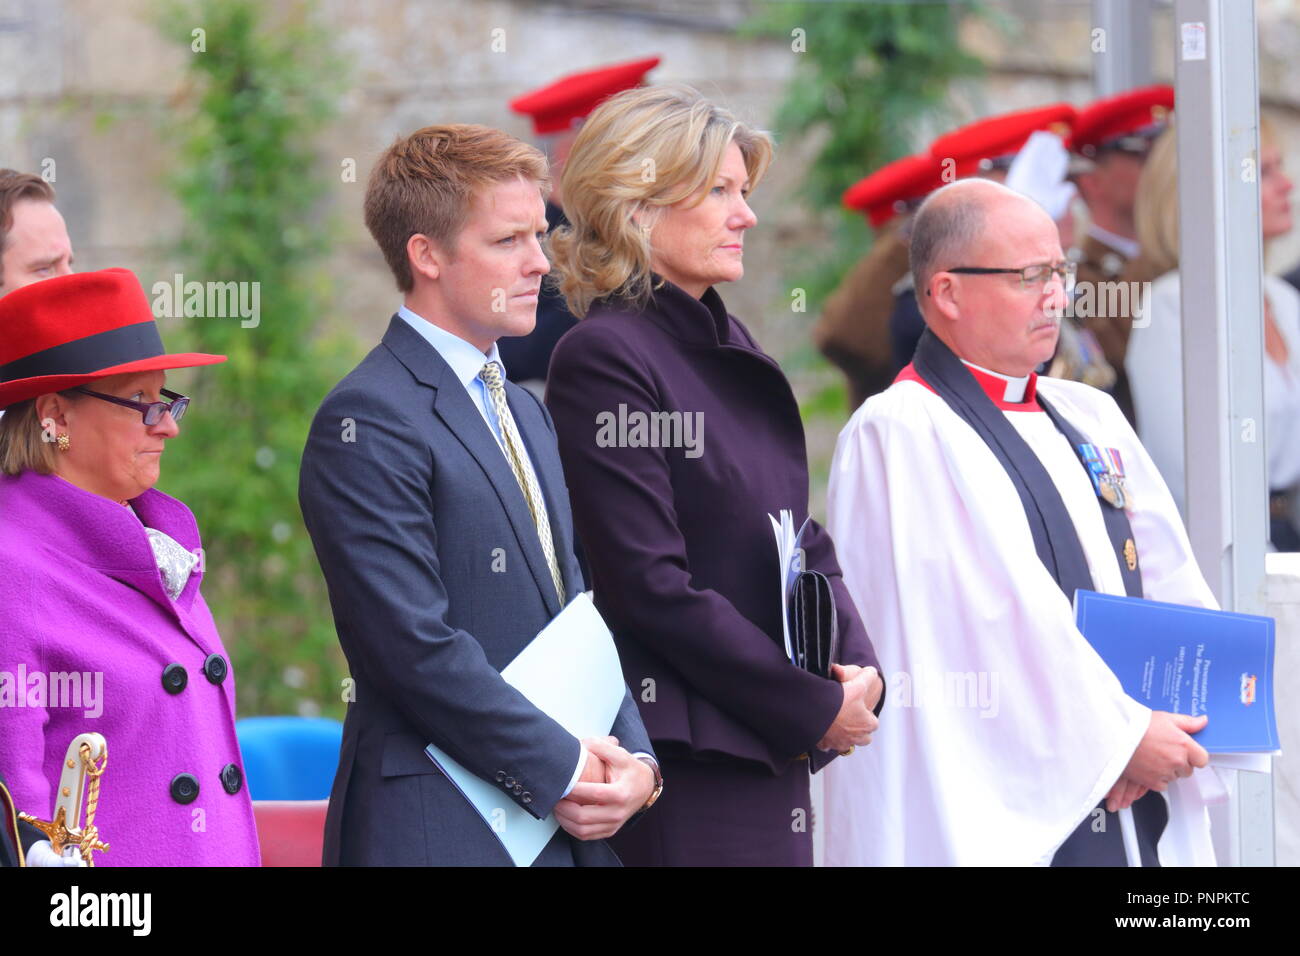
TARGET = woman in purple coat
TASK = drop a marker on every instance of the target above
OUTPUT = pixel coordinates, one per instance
(102, 626)
(679, 437)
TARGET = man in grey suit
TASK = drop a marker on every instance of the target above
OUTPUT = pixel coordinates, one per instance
(434, 496)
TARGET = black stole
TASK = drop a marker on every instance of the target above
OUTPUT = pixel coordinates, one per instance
(1055, 539)
(1057, 544)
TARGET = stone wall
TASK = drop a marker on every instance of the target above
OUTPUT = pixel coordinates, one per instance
(85, 82)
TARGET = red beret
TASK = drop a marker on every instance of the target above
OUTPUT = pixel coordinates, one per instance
(555, 107)
(997, 138)
(878, 195)
(74, 329)
(1127, 121)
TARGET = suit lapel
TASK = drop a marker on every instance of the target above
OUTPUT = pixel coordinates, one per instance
(454, 407)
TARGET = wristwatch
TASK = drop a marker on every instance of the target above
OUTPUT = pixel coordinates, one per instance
(658, 788)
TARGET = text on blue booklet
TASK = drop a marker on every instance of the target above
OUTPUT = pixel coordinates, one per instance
(1189, 660)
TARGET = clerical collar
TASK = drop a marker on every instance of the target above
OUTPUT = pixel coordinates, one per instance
(1126, 247)
(1008, 392)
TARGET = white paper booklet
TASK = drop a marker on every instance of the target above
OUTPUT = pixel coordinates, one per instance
(571, 672)
(790, 561)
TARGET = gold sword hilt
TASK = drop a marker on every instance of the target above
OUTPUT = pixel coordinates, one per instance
(86, 760)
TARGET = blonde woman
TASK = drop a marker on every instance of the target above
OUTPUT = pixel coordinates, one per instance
(679, 436)
(1155, 345)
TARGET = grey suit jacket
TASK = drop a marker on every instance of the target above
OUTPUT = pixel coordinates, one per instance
(437, 580)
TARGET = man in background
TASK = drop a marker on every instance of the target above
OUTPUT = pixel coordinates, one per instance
(1110, 142)
(558, 111)
(34, 243)
(853, 332)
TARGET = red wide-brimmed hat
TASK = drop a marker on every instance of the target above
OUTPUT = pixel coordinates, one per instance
(557, 106)
(904, 180)
(74, 329)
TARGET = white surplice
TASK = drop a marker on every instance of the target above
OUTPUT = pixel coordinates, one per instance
(1002, 728)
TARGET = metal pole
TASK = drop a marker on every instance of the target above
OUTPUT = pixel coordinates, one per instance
(1121, 52)
(1216, 79)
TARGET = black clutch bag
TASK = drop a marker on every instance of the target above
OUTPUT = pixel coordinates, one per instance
(814, 631)
(814, 636)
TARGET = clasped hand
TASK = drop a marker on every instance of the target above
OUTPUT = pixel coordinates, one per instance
(855, 723)
(613, 786)
(1166, 753)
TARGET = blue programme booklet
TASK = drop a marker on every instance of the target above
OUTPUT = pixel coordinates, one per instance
(1189, 660)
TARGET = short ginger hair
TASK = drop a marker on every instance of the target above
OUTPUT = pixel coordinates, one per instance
(424, 184)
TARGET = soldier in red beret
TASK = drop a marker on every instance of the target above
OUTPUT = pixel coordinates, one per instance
(853, 331)
(988, 146)
(557, 111)
(871, 323)
(1110, 143)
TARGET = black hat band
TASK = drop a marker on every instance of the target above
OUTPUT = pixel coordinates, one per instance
(127, 343)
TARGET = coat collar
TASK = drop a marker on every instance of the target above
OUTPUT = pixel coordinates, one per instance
(703, 321)
(92, 531)
(453, 405)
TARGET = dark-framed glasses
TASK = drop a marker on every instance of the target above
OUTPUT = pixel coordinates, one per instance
(1032, 278)
(151, 412)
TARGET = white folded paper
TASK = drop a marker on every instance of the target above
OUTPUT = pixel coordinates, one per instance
(790, 561)
(570, 671)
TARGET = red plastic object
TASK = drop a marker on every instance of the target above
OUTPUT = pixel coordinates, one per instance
(291, 832)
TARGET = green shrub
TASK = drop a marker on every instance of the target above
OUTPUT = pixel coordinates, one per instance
(251, 187)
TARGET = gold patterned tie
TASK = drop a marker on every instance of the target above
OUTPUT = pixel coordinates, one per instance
(513, 446)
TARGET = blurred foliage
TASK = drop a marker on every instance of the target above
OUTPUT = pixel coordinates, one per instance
(870, 75)
(251, 186)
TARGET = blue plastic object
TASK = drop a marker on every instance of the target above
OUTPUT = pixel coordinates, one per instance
(289, 758)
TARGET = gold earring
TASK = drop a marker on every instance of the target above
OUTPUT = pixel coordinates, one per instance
(63, 442)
